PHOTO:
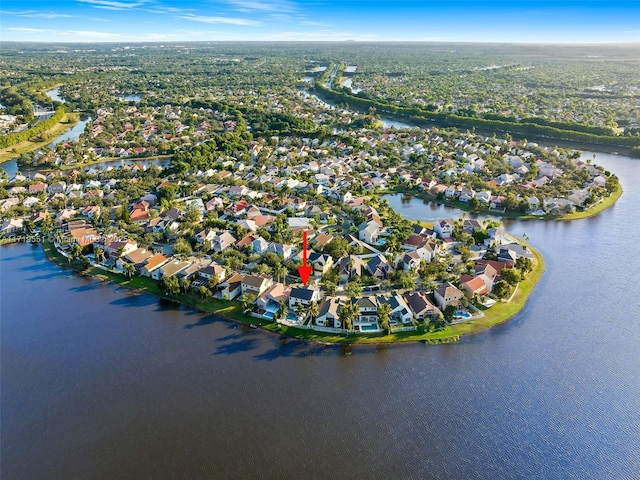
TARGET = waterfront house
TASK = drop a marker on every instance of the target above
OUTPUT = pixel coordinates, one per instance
(211, 270)
(230, 288)
(273, 297)
(83, 234)
(422, 307)
(447, 294)
(255, 284)
(170, 268)
(475, 286)
(367, 313)
(303, 296)
(116, 249)
(152, 264)
(11, 226)
(136, 258)
(329, 313)
(400, 312)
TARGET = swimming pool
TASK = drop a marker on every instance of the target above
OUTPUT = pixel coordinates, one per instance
(369, 328)
(462, 315)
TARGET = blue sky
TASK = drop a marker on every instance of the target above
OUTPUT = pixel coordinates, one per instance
(562, 21)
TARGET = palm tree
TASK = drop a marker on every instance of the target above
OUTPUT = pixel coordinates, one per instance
(354, 288)
(282, 311)
(213, 282)
(384, 313)
(280, 272)
(99, 255)
(348, 314)
(129, 269)
(248, 300)
(313, 310)
(76, 251)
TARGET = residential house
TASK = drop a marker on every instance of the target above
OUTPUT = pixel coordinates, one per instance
(230, 288)
(496, 236)
(30, 201)
(369, 232)
(367, 315)
(255, 284)
(215, 203)
(322, 239)
(274, 296)
(303, 296)
(137, 258)
(329, 313)
(281, 249)
(321, 263)
(410, 261)
(400, 312)
(447, 294)
(259, 246)
(475, 286)
(213, 270)
(11, 226)
(116, 249)
(444, 227)
(350, 267)
(422, 307)
(170, 268)
(83, 234)
(379, 267)
(152, 264)
(222, 241)
(205, 236)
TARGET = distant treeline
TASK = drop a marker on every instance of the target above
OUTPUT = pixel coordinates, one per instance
(13, 138)
(533, 127)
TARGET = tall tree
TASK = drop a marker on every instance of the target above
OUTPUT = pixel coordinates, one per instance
(384, 316)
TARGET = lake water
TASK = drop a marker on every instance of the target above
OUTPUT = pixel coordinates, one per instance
(131, 98)
(54, 94)
(98, 382)
(72, 134)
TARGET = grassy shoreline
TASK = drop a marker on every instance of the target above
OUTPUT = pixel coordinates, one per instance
(232, 310)
(66, 123)
(577, 215)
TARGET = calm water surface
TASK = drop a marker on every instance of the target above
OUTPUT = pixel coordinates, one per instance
(101, 383)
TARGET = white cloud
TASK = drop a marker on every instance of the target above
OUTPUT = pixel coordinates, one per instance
(114, 5)
(314, 24)
(223, 20)
(264, 6)
(36, 14)
(80, 34)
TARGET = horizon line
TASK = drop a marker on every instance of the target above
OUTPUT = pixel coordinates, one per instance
(483, 42)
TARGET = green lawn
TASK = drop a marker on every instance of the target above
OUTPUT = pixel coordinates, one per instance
(66, 123)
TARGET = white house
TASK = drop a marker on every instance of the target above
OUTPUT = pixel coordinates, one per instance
(369, 232)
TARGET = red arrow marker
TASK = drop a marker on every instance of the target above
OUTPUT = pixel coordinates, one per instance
(304, 270)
